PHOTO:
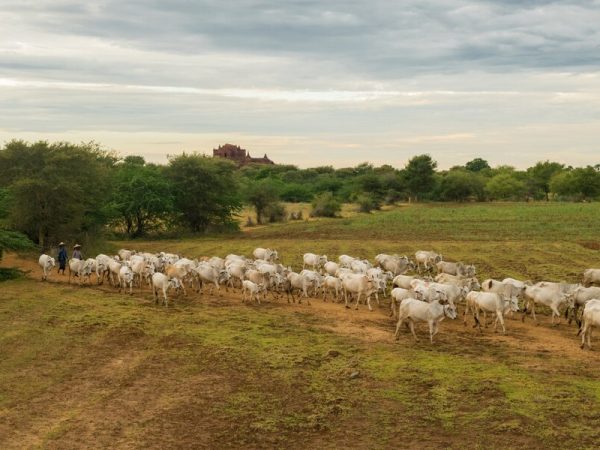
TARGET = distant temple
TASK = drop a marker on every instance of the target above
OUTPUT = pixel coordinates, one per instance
(239, 155)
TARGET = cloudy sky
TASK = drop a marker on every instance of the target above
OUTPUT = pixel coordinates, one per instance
(309, 82)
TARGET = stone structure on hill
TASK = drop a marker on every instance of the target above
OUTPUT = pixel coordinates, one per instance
(239, 155)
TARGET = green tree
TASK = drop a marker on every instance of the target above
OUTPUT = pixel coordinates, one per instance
(10, 240)
(262, 195)
(580, 183)
(59, 190)
(205, 190)
(420, 175)
(505, 186)
(460, 185)
(540, 175)
(142, 195)
(477, 165)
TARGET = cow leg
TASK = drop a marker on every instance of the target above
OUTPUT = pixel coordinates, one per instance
(346, 298)
(398, 325)
(583, 332)
(369, 302)
(357, 300)
(556, 312)
(411, 324)
(501, 319)
(533, 312)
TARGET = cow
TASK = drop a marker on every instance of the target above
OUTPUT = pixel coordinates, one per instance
(300, 282)
(331, 283)
(313, 260)
(456, 268)
(358, 285)
(494, 302)
(266, 253)
(126, 276)
(102, 267)
(162, 282)
(591, 276)
(80, 268)
(472, 284)
(427, 259)
(580, 296)
(253, 289)
(395, 264)
(397, 295)
(590, 319)
(331, 268)
(346, 261)
(549, 294)
(47, 263)
(412, 310)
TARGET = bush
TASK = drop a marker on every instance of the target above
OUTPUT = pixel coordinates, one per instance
(367, 203)
(275, 212)
(325, 205)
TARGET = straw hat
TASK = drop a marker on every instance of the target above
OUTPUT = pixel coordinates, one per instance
(77, 246)
(61, 244)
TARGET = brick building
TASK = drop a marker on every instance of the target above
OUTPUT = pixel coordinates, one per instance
(239, 155)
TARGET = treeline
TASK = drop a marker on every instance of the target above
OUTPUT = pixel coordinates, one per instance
(55, 191)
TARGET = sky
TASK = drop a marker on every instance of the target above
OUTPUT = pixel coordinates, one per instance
(315, 82)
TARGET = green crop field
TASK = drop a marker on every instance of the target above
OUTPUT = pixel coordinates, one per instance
(90, 367)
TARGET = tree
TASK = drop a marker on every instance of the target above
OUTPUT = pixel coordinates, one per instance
(419, 175)
(505, 187)
(59, 190)
(477, 165)
(10, 240)
(262, 195)
(205, 190)
(459, 185)
(541, 174)
(142, 195)
(580, 183)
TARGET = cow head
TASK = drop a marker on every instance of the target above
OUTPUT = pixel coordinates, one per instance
(450, 311)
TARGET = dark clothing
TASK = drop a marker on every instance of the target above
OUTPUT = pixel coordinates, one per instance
(77, 254)
(62, 259)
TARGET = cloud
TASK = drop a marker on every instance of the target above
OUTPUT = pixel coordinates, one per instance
(417, 73)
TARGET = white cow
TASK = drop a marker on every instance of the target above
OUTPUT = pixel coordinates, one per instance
(412, 310)
(125, 254)
(549, 294)
(265, 253)
(114, 268)
(395, 264)
(205, 273)
(580, 297)
(403, 281)
(493, 302)
(126, 278)
(590, 319)
(331, 268)
(360, 266)
(46, 263)
(102, 267)
(142, 270)
(456, 268)
(472, 284)
(301, 283)
(399, 294)
(331, 283)
(80, 269)
(358, 285)
(253, 289)
(518, 283)
(427, 259)
(314, 261)
(162, 282)
(591, 276)
(346, 261)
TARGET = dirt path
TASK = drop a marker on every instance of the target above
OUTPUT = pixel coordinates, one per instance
(377, 326)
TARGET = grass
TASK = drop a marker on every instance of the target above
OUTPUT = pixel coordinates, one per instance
(89, 367)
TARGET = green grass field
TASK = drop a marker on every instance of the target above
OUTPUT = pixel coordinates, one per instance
(88, 367)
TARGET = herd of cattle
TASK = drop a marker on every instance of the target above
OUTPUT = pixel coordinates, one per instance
(414, 298)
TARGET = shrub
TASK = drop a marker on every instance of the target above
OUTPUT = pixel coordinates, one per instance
(325, 205)
(275, 212)
(367, 203)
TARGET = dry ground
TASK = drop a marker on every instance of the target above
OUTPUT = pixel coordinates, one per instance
(88, 367)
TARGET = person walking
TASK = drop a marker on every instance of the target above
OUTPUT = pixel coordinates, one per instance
(62, 257)
(77, 252)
